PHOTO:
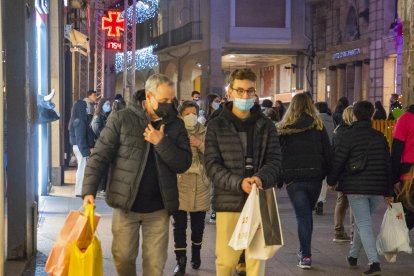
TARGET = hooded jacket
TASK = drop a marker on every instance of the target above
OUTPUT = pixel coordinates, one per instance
(225, 160)
(306, 151)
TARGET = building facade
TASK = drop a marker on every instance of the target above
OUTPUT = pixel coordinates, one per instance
(199, 42)
(358, 50)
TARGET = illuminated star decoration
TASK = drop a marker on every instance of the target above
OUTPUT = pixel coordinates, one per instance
(144, 10)
(113, 23)
(144, 59)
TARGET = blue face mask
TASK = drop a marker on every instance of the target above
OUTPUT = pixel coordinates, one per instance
(106, 108)
(243, 104)
(216, 106)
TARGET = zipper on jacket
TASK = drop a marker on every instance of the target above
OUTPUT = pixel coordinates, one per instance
(138, 178)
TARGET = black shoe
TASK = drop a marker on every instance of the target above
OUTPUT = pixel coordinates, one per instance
(195, 256)
(374, 269)
(319, 208)
(353, 262)
(179, 269)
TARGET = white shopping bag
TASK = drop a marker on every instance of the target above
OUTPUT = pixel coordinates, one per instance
(248, 222)
(269, 237)
(393, 236)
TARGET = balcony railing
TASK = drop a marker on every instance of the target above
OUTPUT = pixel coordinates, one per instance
(189, 32)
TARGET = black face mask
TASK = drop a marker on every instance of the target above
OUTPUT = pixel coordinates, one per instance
(166, 111)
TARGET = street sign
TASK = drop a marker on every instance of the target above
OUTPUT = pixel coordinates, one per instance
(113, 23)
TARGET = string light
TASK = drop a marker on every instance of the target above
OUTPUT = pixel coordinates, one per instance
(144, 59)
(145, 9)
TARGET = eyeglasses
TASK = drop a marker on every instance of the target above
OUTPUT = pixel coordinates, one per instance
(240, 91)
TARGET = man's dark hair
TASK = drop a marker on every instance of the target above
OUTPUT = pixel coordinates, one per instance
(242, 74)
(394, 97)
(195, 92)
(90, 92)
(139, 96)
(119, 97)
(267, 103)
(187, 104)
(363, 110)
(322, 107)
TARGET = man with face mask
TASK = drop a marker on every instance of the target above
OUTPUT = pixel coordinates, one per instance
(241, 149)
(147, 146)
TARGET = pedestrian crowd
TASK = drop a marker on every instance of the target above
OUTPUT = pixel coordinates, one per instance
(160, 157)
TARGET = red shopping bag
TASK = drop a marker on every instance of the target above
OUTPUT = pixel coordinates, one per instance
(74, 227)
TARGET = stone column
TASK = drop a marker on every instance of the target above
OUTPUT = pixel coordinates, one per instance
(56, 83)
(340, 81)
(365, 79)
(358, 81)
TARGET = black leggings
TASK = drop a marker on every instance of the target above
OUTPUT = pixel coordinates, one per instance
(180, 226)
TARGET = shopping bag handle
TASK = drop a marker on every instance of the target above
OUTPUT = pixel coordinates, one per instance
(90, 214)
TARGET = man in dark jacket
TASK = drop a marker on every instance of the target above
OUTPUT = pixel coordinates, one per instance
(241, 148)
(362, 168)
(146, 145)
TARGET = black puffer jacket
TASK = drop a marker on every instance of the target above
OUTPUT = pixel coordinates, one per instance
(376, 178)
(306, 151)
(122, 145)
(80, 133)
(224, 158)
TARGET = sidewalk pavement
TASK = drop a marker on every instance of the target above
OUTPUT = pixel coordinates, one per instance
(328, 257)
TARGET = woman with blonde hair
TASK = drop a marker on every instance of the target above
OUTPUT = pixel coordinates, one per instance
(342, 204)
(406, 195)
(306, 152)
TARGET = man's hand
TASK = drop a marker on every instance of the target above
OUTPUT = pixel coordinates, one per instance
(195, 142)
(258, 181)
(89, 199)
(247, 184)
(152, 135)
(388, 200)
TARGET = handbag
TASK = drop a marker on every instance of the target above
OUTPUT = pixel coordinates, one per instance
(359, 163)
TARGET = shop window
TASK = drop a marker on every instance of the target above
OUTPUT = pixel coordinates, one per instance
(352, 25)
(260, 13)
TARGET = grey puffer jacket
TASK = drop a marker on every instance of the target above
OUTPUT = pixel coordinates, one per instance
(224, 158)
(121, 145)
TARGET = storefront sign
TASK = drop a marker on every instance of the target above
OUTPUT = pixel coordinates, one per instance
(113, 45)
(113, 23)
(349, 53)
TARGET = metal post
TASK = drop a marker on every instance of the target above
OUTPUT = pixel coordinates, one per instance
(99, 49)
(2, 195)
(133, 49)
(125, 71)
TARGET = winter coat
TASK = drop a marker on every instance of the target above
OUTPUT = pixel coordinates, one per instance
(328, 123)
(193, 185)
(122, 145)
(376, 178)
(306, 151)
(98, 123)
(224, 158)
(80, 133)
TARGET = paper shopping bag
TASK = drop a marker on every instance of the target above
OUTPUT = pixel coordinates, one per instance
(86, 253)
(269, 237)
(74, 227)
(393, 236)
(248, 222)
(57, 263)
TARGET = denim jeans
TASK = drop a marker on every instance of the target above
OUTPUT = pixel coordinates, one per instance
(303, 196)
(362, 207)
